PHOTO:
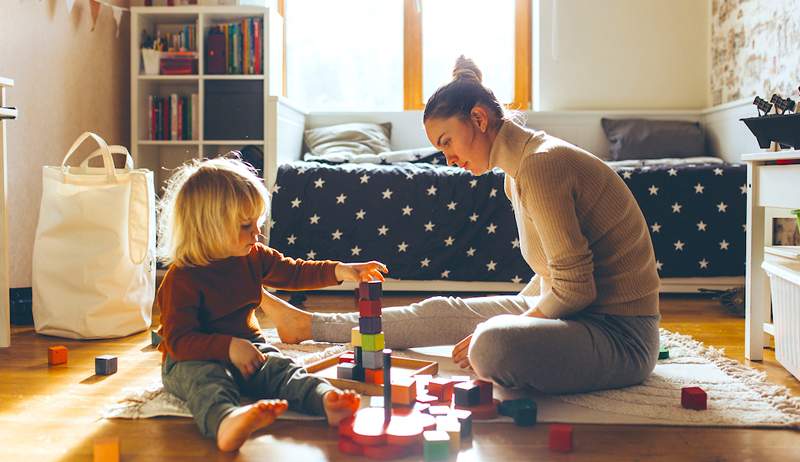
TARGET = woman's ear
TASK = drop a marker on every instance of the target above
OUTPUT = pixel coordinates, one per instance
(480, 117)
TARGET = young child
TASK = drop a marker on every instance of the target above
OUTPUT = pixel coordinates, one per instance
(211, 216)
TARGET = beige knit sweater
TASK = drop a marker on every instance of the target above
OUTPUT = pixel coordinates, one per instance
(580, 227)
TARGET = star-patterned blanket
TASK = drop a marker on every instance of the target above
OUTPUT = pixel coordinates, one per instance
(433, 222)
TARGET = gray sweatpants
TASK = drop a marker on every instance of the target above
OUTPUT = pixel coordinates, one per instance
(213, 389)
(582, 353)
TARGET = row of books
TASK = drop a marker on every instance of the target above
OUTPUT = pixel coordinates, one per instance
(236, 47)
(173, 117)
(181, 38)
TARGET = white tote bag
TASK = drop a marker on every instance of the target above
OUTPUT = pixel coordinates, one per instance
(94, 253)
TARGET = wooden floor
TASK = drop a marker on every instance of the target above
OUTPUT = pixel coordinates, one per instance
(52, 413)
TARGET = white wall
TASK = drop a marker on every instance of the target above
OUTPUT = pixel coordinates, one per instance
(68, 79)
(621, 54)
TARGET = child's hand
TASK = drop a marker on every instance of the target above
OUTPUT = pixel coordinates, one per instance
(245, 356)
(358, 272)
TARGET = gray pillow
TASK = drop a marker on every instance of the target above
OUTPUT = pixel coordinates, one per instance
(653, 139)
(351, 138)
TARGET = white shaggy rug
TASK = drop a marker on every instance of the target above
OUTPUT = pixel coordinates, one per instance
(738, 396)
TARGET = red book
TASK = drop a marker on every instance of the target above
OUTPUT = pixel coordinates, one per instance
(257, 40)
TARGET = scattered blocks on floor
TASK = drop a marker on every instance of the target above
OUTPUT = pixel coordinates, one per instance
(106, 449)
(436, 445)
(372, 342)
(441, 388)
(663, 353)
(452, 427)
(105, 365)
(694, 398)
(523, 411)
(57, 355)
(483, 411)
(560, 437)
(404, 391)
(345, 371)
(465, 419)
(467, 394)
(370, 290)
(155, 339)
(486, 391)
(438, 410)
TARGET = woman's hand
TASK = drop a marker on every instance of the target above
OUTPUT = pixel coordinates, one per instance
(245, 356)
(358, 272)
(460, 352)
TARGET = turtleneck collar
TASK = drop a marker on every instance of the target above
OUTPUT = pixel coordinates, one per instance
(509, 147)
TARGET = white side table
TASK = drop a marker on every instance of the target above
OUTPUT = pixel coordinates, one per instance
(768, 185)
(5, 309)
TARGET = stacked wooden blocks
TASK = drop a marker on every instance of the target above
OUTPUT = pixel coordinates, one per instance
(367, 339)
(474, 396)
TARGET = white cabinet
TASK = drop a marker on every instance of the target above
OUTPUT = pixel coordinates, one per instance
(5, 309)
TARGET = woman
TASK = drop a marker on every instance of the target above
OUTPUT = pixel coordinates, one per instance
(589, 318)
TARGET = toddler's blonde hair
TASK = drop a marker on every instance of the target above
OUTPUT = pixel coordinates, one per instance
(204, 204)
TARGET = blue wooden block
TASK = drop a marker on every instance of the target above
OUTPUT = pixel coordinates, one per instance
(372, 359)
(345, 371)
(525, 416)
(467, 394)
(105, 365)
(369, 325)
(371, 290)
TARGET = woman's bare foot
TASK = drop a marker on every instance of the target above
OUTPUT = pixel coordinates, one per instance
(293, 324)
(340, 405)
(237, 426)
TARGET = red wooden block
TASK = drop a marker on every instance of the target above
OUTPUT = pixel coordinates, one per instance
(386, 452)
(486, 391)
(694, 398)
(560, 438)
(56, 355)
(373, 376)
(347, 358)
(404, 391)
(369, 308)
(482, 411)
(441, 388)
(348, 446)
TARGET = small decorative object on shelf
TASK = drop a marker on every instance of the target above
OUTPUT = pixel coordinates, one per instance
(781, 128)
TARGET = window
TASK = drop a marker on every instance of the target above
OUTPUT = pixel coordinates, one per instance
(345, 55)
(357, 55)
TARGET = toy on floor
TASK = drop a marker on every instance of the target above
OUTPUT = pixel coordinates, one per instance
(466, 394)
(694, 398)
(522, 410)
(105, 365)
(663, 353)
(57, 355)
(367, 339)
(560, 438)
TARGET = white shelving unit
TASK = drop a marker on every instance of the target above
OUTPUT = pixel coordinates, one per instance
(163, 155)
(5, 308)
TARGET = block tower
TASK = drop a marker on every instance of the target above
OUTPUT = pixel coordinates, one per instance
(367, 339)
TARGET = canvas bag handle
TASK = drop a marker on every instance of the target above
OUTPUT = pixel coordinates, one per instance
(108, 162)
(113, 149)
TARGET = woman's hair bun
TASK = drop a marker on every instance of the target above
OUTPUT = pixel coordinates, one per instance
(465, 69)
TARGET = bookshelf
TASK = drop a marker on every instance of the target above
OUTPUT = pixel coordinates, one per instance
(251, 126)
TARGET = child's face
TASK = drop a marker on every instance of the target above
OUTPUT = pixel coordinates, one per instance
(248, 236)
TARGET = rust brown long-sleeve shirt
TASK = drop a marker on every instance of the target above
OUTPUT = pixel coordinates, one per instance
(203, 308)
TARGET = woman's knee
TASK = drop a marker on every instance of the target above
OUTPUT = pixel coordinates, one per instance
(490, 350)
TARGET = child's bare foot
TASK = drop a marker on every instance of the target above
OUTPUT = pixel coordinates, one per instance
(340, 405)
(237, 426)
(293, 324)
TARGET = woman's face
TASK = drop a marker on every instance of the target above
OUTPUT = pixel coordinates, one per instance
(465, 143)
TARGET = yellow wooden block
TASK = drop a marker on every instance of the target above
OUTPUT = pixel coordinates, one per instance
(106, 449)
(372, 342)
(355, 336)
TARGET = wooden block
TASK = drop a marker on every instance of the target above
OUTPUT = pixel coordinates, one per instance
(369, 308)
(355, 337)
(441, 388)
(345, 371)
(465, 419)
(482, 411)
(487, 391)
(57, 355)
(372, 359)
(428, 399)
(372, 342)
(525, 416)
(348, 446)
(369, 324)
(663, 353)
(436, 445)
(510, 406)
(373, 376)
(452, 427)
(404, 391)
(467, 394)
(155, 339)
(347, 358)
(105, 365)
(421, 407)
(106, 449)
(560, 437)
(694, 398)
(439, 410)
(370, 290)
(461, 378)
